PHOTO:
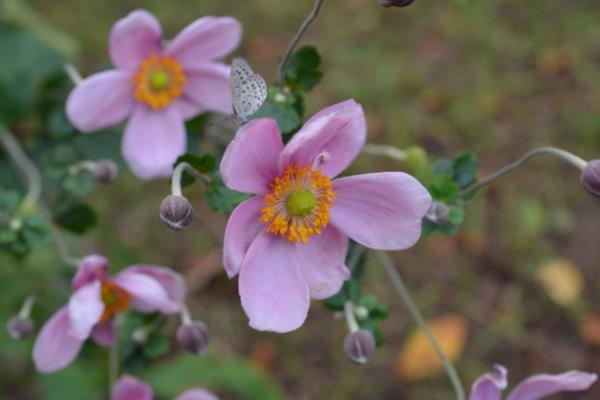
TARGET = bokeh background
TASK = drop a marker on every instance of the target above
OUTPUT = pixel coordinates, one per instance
(519, 283)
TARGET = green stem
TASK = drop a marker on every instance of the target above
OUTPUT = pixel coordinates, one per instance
(31, 174)
(178, 173)
(303, 28)
(350, 317)
(564, 155)
(113, 365)
(407, 299)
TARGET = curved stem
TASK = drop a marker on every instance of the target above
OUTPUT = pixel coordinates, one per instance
(384, 150)
(350, 317)
(31, 174)
(407, 299)
(564, 155)
(303, 28)
(73, 74)
(25, 310)
(177, 174)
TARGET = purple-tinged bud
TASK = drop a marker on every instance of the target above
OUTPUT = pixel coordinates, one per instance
(193, 337)
(396, 3)
(176, 212)
(590, 177)
(106, 171)
(359, 346)
(437, 213)
(19, 328)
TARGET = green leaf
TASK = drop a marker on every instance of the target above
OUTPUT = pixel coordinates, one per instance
(57, 160)
(80, 183)
(204, 164)
(443, 188)
(77, 218)
(241, 377)
(456, 215)
(285, 115)
(465, 169)
(81, 380)
(221, 198)
(156, 345)
(9, 201)
(302, 70)
(59, 126)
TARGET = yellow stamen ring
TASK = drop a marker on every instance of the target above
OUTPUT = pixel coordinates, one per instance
(159, 81)
(298, 205)
(115, 299)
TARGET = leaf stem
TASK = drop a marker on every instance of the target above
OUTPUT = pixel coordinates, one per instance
(31, 174)
(564, 155)
(178, 173)
(408, 301)
(290, 49)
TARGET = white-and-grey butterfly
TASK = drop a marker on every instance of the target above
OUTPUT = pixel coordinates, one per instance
(249, 90)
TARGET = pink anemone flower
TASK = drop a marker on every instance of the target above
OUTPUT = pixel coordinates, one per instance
(96, 300)
(289, 242)
(157, 87)
(131, 388)
(489, 386)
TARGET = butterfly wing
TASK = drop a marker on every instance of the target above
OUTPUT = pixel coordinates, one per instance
(249, 90)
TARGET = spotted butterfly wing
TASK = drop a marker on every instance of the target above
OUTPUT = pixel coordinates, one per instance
(249, 90)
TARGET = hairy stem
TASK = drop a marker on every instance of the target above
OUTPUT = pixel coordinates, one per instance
(350, 317)
(553, 151)
(31, 174)
(178, 173)
(303, 28)
(407, 299)
(384, 150)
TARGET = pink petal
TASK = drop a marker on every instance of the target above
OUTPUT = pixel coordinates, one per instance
(489, 386)
(102, 100)
(338, 132)
(147, 293)
(153, 140)
(543, 385)
(273, 288)
(250, 161)
(104, 333)
(382, 210)
(187, 108)
(207, 38)
(242, 228)
(172, 281)
(133, 39)
(54, 348)
(131, 388)
(85, 310)
(322, 261)
(196, 394)
(208, 87)
(90, 268)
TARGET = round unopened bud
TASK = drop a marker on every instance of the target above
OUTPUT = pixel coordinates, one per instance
(193, 337)
(19, 328)
(176, 212)
(437, 213)
(359, 346)
(106, 171)
(590, 177)
(396, 3)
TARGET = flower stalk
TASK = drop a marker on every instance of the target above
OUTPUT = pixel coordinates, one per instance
(350, 317)
(296, 39)
(178, 174)
(415, 313)
(564, 155)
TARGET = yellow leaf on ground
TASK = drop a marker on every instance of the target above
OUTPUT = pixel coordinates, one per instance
(561, 279)
(418, 360)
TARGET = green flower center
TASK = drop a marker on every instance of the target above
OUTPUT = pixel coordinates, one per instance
(159, 80)
(301, 203)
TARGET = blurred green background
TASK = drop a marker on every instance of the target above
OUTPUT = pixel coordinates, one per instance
(492, 77)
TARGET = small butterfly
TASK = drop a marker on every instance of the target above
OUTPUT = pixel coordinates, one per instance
(249, 90)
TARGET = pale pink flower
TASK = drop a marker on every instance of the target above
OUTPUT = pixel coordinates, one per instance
(489, 386)
(96, 299)
(157, 86)
(289, 242)
(131, 388)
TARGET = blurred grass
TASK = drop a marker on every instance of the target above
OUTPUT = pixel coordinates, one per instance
(494, 77)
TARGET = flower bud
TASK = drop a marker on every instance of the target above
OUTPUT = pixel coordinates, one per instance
(437, 213)
(396, 3)
(193, 337)
(359, 346)
(590, 177)
(105, 171)
(19, 328)
(176, 212)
